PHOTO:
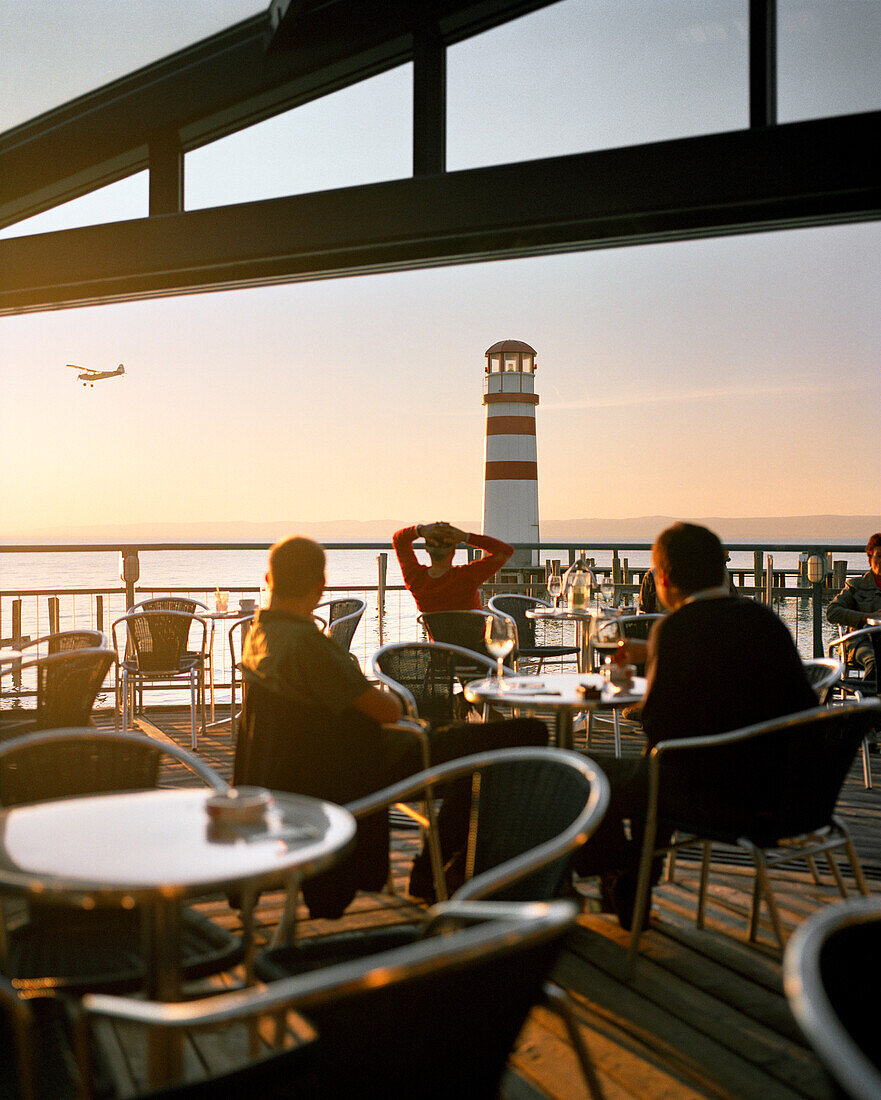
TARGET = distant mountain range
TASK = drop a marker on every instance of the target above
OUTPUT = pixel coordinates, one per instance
(825, 528)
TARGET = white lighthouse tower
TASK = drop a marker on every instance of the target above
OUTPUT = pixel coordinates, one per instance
(510, 488)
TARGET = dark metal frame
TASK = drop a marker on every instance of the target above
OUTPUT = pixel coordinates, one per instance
(769, 176)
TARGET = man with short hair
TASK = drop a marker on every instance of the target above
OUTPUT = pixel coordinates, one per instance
(715, 663)
(857, 603)
(349, 751)
(442, 586)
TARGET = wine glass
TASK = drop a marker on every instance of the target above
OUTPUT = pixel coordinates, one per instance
(500, 636)
(555, 587)
(607, 590)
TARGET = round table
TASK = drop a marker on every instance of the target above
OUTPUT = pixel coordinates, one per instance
(212, 617)
(155, 848)
(557, 691)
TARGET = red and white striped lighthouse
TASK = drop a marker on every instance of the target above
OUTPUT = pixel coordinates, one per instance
(510, 488)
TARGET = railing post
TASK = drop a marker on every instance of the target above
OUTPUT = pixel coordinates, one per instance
(757, 572)
(99, 613)
(382, 572)
(54, 614)
(817, 609)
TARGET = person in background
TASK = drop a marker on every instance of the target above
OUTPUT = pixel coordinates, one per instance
(288, 657)
(715, 663)
(442, 586)
(648, 602)
(857, 603)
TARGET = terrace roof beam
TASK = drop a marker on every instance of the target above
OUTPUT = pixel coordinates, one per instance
(817, 172)
(220, 85)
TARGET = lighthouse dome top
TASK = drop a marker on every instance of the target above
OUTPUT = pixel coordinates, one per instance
(510, 357)
(511, 345)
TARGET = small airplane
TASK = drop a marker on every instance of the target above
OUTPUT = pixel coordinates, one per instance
(89, 377)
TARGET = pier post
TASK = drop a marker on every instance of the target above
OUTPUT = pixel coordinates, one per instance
(382, 572)
(54, 614)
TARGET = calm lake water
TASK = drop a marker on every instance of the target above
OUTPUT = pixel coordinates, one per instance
(241, 572)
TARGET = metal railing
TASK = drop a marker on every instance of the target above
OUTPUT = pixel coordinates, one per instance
(30, 611)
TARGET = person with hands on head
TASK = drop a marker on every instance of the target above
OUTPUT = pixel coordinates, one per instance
(442, 586)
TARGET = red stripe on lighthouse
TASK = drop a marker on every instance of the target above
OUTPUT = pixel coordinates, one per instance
(510, 425)
(511, 471)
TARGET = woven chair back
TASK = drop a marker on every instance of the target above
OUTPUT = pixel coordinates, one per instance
(516, 606)
(343, 618)
(518, 805)
(68, 640)
(158, 639)
(40, 771)
(429, 673)
(781, 780)
(67, 685)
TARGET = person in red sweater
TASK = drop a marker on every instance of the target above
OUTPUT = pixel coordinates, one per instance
(443, 586)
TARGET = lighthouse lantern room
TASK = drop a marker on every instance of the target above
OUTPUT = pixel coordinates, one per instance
(510, 488)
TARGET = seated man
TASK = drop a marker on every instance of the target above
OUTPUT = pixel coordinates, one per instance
(716, 663)
(312, 724)
(856, 603)
(443, 586)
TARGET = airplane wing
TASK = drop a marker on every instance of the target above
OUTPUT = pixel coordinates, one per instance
(82, 370)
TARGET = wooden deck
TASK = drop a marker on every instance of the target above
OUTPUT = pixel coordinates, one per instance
(705, 1015)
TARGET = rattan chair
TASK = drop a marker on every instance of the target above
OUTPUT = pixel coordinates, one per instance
(156, 652)
(66, 949)
(63, 641)
(831, 974)
(770, 789)
(434, 1018)
(467, 630)
(531, 810)
(240, 627)
(427, 676)
(36, 1041)
(67, 684)
(515, 607)
(853, 683)
(824, 674)
(343, 617)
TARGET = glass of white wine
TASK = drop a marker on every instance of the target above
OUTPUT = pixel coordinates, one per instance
(500, 636)
(607, 590)
(555, 587)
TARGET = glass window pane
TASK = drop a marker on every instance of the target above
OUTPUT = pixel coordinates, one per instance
(595, 74)
(495, 363)
(510, 362)
(362, 134)
(828, 58)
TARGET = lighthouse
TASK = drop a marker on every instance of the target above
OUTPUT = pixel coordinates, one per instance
(510, 487)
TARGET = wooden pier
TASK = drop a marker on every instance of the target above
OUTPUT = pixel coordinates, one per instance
(705, 1015)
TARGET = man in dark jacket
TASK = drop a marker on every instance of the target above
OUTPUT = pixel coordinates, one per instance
(716, 663)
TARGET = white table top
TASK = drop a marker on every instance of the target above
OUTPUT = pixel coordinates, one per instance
(562, 612)
(555, 690)
(232, 613)
(144, 843)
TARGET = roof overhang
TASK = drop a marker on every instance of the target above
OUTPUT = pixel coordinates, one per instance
(802, 174)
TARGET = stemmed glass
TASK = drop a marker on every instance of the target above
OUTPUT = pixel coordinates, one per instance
(607, 590)
(555, 588)
(500, 636)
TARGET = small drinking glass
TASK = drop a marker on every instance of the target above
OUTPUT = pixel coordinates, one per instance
(555, 588)
(221, 600)
(500, 636)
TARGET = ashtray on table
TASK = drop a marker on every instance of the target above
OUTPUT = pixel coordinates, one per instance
(239, 806)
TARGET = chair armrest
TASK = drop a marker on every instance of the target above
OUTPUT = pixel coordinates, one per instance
(853, 635)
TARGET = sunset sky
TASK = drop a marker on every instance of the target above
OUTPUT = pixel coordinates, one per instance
(732, 377)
